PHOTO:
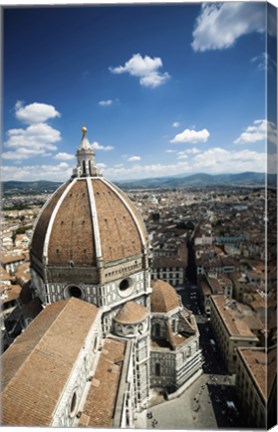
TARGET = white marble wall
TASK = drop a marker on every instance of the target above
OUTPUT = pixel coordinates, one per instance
(83, 369)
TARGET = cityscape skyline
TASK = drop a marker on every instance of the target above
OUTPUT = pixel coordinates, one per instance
(162, 89)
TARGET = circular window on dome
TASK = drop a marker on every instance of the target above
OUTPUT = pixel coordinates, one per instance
(73, 291)
(125, 287)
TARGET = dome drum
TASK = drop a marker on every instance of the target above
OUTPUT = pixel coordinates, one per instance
(132, 320)
(130, 330)
(68, 274)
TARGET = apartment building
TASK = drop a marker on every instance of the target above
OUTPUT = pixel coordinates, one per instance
(230, 329)
(255, 382)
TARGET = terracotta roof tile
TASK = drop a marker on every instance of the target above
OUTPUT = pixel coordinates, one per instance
(4, 275)
(44, 354)
(72, 237)
(234, 322)
(12, 292)
(262, 366)
(164, 297)
(131, 312)
(43, 221)
(115, 224)
(6, 259)
(101, 399)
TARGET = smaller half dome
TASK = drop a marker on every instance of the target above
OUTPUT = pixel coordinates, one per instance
(131, 313)
(164, 297)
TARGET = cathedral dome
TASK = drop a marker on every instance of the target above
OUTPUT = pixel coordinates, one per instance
(164, 297)
(88, 222)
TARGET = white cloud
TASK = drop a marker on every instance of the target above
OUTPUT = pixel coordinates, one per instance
(60, 172)
(98, 146)
(40, 135)
(194, 150)
(214, 161)
(175, 124)
(191, 136)
(218, 160)
(23, 153)
(182, 155)
(101, 165)
(170, 151)
(143, 171)
(145, 68)
(259, 131)
(220, 24)
(35, 140)
(64, 156)
(105, 103)
(35, 112)
(134, 158)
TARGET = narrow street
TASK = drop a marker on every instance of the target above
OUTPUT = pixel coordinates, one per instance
(220, 385)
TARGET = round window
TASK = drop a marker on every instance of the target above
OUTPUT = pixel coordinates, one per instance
(125, 287)
(73, 291)
(125, 284)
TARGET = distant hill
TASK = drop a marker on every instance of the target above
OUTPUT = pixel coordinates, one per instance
(194, 180)
(29, 188)
(202, 180)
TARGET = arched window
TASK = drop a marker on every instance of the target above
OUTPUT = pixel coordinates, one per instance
(95, 344)
(175, 325)
(83, 167)
(157, 369)
(73, 404)
(157, 330)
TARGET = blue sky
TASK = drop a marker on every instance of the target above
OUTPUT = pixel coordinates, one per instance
(162, 89)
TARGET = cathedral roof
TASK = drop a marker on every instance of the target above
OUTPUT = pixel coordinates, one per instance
(45, 353)
(88, 219)
(131, 313)
(99, 409)
(164, 297)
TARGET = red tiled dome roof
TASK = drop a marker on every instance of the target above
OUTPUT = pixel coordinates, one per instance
(86, 220)
(131, 313)
(164, 297)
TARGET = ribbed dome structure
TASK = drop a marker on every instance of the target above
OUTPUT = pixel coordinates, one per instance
(88, 222)
(164, 297)
(131, 313)
(88, 219)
